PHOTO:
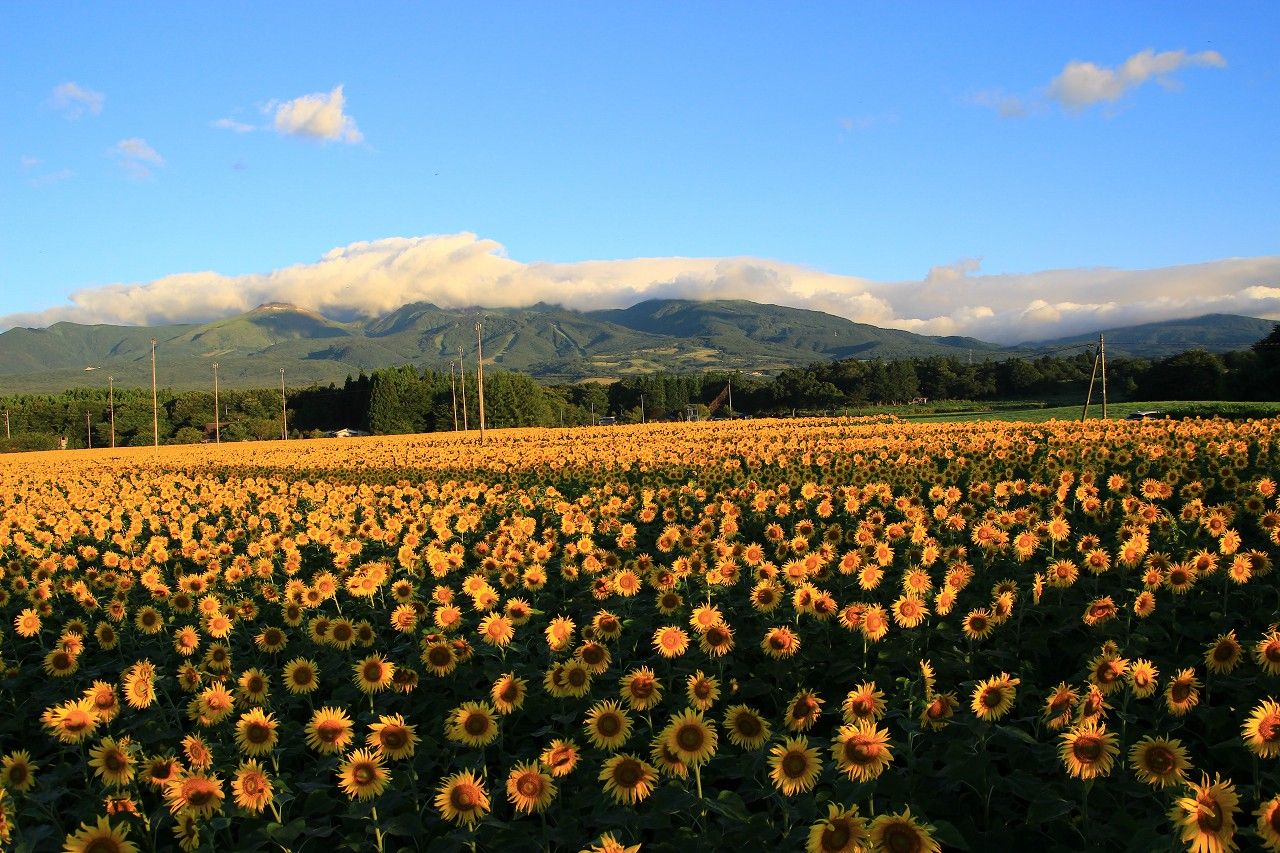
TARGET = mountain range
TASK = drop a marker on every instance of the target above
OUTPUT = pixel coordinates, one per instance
(546, 341)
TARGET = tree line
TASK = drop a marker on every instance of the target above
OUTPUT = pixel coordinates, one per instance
(408, 399)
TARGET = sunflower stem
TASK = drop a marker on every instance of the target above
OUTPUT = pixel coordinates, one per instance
(377, 828)
(697, 776)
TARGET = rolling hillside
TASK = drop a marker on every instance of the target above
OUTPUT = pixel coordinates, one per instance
(546, 341)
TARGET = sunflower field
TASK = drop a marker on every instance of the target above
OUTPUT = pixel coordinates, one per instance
(823, 635)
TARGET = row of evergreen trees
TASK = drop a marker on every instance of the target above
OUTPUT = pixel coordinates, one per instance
(408, 400)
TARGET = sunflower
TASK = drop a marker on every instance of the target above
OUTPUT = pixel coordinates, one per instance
(842, 831)
(609, 844)
(640, 689)
(909, 610)
(670, 641)
(716, 641)
(993, 698)
(72, 721)
(1224, 653)
(607, 725)
(27, 623)
(529, 789)
(17, 772)
(60, 663)
(575, 678)
(1142, 678)
(472, 723)
(628, 779)
(159, 770)
(745, 727)
(667, 762)
(253, 686)
(1269, 824)
(1159, 762)
(496, 630)
(594, 656)
(508, 693)
(691, 737)
(978, 624)
(1182, 693)
(560, 758)
(1088, 750)
(256, 732)
(938, 711)
(301, 676)
(112, 762)
(1059, 707)
(361, 775)
(702, 690)
(251, 787)
(329, 730)
(875, 623)
(864, 702)
(780, 643)
(392, 737)
(461, 798)
(794, 766)
(373, 674)
(440, 657)
(1206, 818)
(901, 833)
(195, 792)
(861, 750)
(100, 838)
(1261, 731)
(1267, 652)
(803, 710)
(271, 640)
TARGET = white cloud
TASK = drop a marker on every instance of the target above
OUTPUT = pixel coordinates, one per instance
(51, 178)
(134, 155)
(318, 116)
(232, 125)
(1081, 84)
(955, 271)
(26, 161)
(462, 270)
(1005, 105)
(73, 100)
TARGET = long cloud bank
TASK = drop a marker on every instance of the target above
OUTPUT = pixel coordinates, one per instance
(462, 270)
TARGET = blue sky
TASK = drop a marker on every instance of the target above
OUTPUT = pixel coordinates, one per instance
(868, 143)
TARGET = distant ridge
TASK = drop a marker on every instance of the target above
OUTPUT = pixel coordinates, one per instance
(546, 341)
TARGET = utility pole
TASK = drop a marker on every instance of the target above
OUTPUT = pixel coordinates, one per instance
(1093, 374)
(1102, 355)
(88, 430)
(155, 406)
(480, 375)
(641, 408)
(6, 425)
(462, 371)
(284, 410)
(730, 398)
(111, 407)
(217, 422)
(453, 392)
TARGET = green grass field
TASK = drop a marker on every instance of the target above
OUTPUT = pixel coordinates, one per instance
(1115, 411)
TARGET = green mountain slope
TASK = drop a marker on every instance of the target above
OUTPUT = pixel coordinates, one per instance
(546, 341)
(1212, 332)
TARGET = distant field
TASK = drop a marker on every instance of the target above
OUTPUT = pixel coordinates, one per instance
(1175, 408)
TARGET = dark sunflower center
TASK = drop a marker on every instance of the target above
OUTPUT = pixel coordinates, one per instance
(628, 773)
(795, 765)
(1087, 749)
(476, 724)
(609, 725)
(690, 738)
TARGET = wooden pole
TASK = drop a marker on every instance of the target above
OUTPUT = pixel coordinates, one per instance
(480, 375)
(111, 407)
(155, 406)
(462, 373)
(88, 430)
(217, 422)
(1089, 394)
(453, 392)
(1102, 357)
(284, 410)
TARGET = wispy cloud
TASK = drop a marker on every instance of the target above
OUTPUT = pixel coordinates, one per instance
(26, 161)
(460, 270)
(51, 178)
(1082, 84)
(136, 156)
(232, 125)
(316, 116)
(74, 101)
